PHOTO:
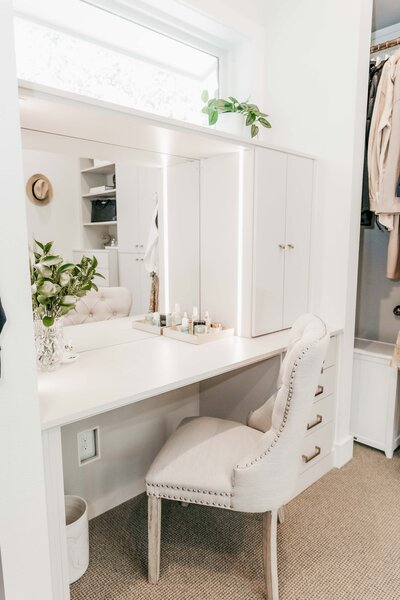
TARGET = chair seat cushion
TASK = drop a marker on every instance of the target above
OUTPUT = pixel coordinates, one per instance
(197, 462)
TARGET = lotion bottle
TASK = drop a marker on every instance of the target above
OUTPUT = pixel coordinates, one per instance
(208, 321)
(185, 324)
(195, 318)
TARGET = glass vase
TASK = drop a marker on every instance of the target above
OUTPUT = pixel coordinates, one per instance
(49, 345)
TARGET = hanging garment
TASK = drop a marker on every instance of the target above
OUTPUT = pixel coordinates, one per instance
(388, 202)
(380, 130)
(3, 320)
(393, 258)
(375, 72)
(151, 253)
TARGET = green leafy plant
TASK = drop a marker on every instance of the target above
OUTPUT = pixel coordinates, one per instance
(215, 106)
(56, 286)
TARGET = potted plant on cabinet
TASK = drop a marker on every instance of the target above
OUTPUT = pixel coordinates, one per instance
(217, 106)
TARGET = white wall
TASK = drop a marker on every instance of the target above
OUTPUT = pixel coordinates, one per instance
(376, 295)
(23, 524)
(58, 221)
(183, 205)
(130, 438)
(316, 83)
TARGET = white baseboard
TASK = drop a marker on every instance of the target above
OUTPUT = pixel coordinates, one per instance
(343, 451)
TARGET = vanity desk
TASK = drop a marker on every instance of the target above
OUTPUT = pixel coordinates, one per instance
(135, 367)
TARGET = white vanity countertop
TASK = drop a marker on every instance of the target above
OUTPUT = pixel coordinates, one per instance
(101, 334)
(110, 377)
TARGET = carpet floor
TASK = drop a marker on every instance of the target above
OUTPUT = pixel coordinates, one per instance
(340, 541)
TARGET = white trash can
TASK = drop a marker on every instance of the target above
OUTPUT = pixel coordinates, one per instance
(77, 529)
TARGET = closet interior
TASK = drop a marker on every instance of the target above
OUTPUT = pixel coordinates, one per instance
(375, 413)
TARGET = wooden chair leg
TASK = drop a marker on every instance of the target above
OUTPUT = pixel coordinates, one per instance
(270, 554)
(281, 514)
(154, 538)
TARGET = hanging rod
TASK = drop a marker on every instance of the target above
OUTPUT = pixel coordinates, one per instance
(385, 45)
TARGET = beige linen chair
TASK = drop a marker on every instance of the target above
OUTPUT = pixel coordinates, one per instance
(107, 303)
(249, 468)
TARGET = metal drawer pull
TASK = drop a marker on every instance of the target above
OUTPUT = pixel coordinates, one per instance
(317, 452)
(320, 390)
(313, 424)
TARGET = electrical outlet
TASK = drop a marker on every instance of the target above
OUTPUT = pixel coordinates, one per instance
(88, 446)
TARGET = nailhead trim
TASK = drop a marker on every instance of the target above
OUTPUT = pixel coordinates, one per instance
(286, 411)
(181, 499)
(183, 489)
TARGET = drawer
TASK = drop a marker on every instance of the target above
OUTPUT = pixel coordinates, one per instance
(316, 446)
(326, 384)
(321, 413)
(330, 358)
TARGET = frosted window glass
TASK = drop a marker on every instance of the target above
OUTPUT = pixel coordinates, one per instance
(53, 58)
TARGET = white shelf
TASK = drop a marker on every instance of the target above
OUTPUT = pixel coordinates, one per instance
(101, 194)
(100, 223)
(103, 170)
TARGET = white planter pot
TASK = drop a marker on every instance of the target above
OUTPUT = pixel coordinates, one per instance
(234, 123)
(77, 530)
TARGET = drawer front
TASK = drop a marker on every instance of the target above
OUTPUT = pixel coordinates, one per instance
(321, 413)
(326, 384)
(330, 358)
(316, 446)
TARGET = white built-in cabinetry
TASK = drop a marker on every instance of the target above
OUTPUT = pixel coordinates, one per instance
(283, 198)
(316, 457)
(375, 410)
(107, 264)
(139, 192)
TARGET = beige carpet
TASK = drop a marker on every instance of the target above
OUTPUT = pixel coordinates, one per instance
(340, 541)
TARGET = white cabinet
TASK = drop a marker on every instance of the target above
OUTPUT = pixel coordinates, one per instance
(283, 196)
(375, 415)
(107, 264)
(139, 189)
(133, 275)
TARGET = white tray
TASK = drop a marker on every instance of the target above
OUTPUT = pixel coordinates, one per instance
(144, 326)
(199, 338)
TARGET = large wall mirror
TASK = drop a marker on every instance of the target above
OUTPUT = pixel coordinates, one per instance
(136, 211)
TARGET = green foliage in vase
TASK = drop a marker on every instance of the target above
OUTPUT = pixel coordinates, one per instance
(254, 117)
(57, 286)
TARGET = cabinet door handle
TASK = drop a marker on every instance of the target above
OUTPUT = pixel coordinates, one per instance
(320, 390)
(291, 246)
(310, 457)
(282, 246)
(314, 423)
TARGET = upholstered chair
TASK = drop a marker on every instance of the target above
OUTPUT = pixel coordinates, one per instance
(249, 468)
(107, 303)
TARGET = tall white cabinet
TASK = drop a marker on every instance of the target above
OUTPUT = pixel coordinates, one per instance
(283, 198)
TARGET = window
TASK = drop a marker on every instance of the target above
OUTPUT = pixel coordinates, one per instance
(130, 65)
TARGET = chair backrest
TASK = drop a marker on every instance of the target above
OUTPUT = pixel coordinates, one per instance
(107, 303)
(265, 479)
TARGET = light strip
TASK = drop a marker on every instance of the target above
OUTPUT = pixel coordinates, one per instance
(240, 244)
(166, 239)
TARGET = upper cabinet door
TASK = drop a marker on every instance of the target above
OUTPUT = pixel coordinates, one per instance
(269, 240)
(299, 199)
(127, 185)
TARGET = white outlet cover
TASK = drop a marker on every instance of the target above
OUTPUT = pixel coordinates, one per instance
(87, 445)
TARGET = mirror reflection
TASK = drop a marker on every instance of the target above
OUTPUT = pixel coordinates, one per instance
(136, 212)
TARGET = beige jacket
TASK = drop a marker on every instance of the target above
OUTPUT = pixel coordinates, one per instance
(384, 144)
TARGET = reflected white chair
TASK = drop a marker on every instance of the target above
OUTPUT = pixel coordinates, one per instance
(107, 303)
(248, 468)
